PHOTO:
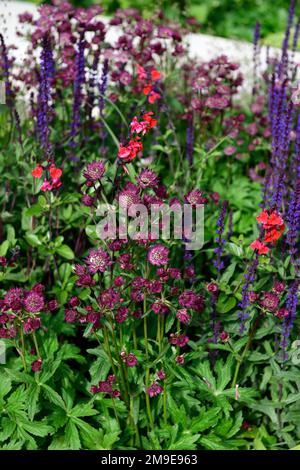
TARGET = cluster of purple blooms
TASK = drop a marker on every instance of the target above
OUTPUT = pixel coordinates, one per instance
(22, 309)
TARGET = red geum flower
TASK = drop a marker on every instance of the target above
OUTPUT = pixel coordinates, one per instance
(260, 247)
(138, 127)
(273, 234)
(55, 173)
(129, 152)
(155, 74)
(271, 220)
(150, 121)
(147, 89)
(37, 172)
(153, 96)
(141, 73)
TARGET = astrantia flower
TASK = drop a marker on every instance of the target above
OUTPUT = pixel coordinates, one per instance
(190, 299)
(127, 198)
(195, 197)
(31, 324)
(261, 248)
(179, 360)
(270, 301)
(87, 200)
(131, 360)
(94, 171)
(154, 389)
(36, 365)
(282, 313)
(147, 179)
(177, 339)
(70, 315)
(161, 374)
(158, 255)
(183, 316)
(279, 287)
(13, 298)
(34, 302)
(98, 260)
(224, 336)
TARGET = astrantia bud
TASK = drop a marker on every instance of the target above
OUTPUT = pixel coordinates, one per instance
(36, 365)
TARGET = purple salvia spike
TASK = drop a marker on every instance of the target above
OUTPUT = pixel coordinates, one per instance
(77, 92)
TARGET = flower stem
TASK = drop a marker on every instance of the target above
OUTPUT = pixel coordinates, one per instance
(246, 348)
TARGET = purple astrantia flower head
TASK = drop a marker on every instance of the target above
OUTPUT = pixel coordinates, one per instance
(94, 171)
(158, 255)
(13, 298)
(98, 260)
(128, 197)
(31, 324)
(161, 374)
(131, 360)
(88, 200)
(195, 197)
(177, 339)
(189, 299)
(36, 365)
(183, 316)
(34, 302)
(270, 301)
(154, 389)
(147, 179)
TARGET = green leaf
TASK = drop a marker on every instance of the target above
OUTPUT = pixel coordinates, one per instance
(32, 239)
(66, 252)
(72, 436)
(53, 396)
(225, 303)
(4, 248)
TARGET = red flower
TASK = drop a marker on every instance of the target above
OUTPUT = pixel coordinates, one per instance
(55, 173)
(273, 234)
(153, 96)
(155, 74)
(138, 127)
(46, 186)
(260, 247)
(37, 172)
(150, 121)
(129, 152)
(141, 73)
(147, 89)
(273, 224)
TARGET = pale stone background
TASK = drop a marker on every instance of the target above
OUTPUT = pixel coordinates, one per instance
(203, 46)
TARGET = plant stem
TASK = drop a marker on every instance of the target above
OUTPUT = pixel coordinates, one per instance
(36, 345)
(165, 404)
(243, 355)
